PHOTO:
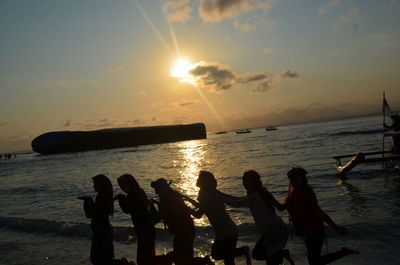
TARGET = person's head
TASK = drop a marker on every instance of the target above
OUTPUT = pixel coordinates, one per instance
(297, 177)
(251, 180)
(128, 183)
(206, 181)
(161, 186)
(102, 184)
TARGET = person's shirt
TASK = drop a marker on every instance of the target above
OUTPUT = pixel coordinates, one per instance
(266, 221)
(98, 212)
(215, 210)
(304, 212)
(176, 213)
(137, 205)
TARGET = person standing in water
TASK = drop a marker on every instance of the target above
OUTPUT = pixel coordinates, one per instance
(137, 205)
(273, 231)
(99, 210)
(308, 218)
(177, 217)
(226, 232)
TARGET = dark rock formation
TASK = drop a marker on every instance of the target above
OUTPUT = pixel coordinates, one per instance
(78, 141)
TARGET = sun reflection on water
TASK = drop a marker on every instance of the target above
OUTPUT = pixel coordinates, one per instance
(192, 155)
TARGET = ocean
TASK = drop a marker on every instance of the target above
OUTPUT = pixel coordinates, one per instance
(42, 221)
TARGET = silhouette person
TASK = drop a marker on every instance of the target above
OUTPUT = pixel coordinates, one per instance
(396, 127)
(272, 230)
(226, 232)
(137, 205)
(308, 218)
(102, 249)
(177, 217)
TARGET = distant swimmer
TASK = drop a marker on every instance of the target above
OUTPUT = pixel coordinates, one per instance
(308, 219)
(99, 210)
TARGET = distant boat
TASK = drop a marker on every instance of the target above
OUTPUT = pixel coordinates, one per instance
(223, 132)
(243, 131)
(270, 128)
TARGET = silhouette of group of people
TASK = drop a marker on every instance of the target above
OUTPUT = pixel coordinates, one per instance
(301, 203)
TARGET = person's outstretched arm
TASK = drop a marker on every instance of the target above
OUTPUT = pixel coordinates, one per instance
(331, 223)
(234, 201)
(195, 213)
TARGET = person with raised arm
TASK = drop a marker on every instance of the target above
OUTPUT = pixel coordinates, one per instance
(226, 232)
(99, 210)
(272, 230)
(308, 219)
(177, 217)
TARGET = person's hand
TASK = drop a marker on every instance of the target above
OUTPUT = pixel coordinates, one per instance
(153, 201)
(84, 198)
(119, 196)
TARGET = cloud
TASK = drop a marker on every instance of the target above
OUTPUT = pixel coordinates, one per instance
(216, 76)
(254, 22)
(99, 124)
(288, 74)
(354, 12)
(267, 51)
(216, 10)
(178, 10)
(263, 87)
(325, 8)
(251, 77)
(67, 123)
(184, 103)
(245, 27)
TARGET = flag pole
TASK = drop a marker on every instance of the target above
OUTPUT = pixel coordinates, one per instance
(383, 136)
(383, 112)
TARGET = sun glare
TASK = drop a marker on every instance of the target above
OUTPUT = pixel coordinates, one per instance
(181, 70)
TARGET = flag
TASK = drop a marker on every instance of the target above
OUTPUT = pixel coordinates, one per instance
(385, 108)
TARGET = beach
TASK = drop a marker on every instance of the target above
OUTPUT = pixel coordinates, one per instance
(42, 221)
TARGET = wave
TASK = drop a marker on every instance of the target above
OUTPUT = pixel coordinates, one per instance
(364, 132)
(82, 230)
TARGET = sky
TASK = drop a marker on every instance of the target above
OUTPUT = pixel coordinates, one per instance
(91, 64)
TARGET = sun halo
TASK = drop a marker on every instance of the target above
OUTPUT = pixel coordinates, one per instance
(181, 69)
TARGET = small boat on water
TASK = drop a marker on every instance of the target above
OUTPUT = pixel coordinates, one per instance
(243, 131)
(270, 128)
(367, 157)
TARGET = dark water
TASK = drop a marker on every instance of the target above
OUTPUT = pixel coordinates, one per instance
(42, 222)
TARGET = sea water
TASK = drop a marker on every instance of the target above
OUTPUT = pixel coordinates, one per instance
(42, 221)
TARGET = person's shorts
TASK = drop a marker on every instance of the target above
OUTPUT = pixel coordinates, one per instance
(223, 248)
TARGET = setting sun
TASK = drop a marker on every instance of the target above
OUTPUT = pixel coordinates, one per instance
(181, 70)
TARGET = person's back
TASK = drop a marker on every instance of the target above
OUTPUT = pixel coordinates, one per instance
(175, 213)
(215, 210)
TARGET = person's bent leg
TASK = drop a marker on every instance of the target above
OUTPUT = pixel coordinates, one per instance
(328, 258)
(314, 246)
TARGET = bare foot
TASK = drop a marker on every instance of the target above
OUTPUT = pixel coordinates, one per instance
(287, 256)
(247, 255)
